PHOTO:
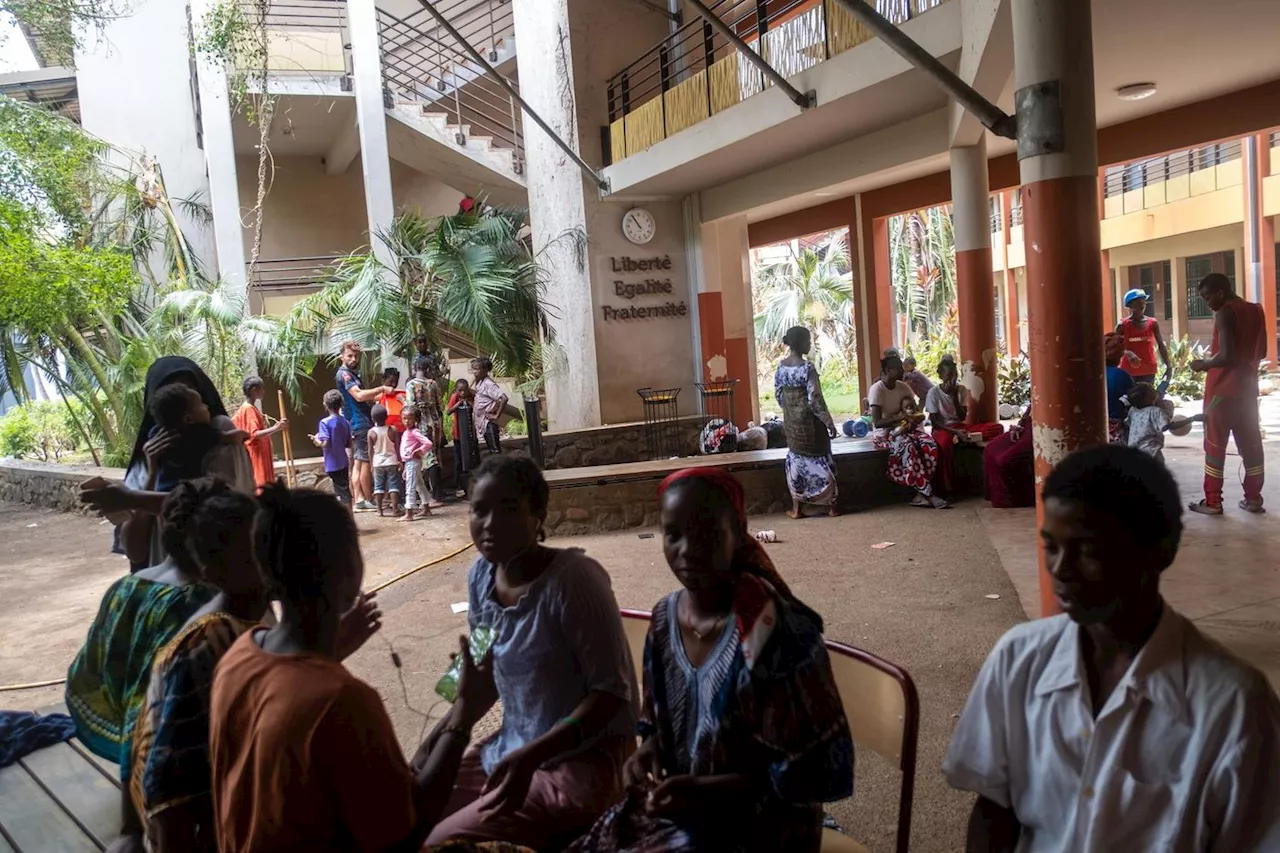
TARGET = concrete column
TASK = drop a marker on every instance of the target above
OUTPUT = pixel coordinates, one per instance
(970, 200)
(1260, 236)
(725, 326)
(557, 205)
(1108, 296)
(1053, 48)
(371, 119)
(1013, 326)
(1117, 294)
(220, 162)
(1178, 274)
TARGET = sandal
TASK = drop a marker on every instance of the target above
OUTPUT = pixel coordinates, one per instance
(1250, 506)
(921, 501)
(939, 503)
(1205, 508)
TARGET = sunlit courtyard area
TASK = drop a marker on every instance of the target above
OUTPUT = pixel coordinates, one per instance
(507, 426)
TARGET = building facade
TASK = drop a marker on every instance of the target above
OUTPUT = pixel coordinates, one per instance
(699, 140)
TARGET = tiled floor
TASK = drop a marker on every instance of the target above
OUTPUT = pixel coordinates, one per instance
(1226, 577)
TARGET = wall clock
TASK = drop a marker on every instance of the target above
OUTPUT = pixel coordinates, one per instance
(638, 225)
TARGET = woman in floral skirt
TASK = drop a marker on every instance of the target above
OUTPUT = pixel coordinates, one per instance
(811, 469)
(913, 454)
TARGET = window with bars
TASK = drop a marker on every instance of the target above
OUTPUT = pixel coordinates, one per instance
(1197, 268)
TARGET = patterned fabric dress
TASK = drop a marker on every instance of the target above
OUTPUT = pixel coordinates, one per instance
(170, 752)
(811, 476)
(107, 682)
(913, 458)
(765, 703)
(424, 394)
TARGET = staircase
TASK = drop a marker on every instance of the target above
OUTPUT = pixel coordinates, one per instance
(449, 118)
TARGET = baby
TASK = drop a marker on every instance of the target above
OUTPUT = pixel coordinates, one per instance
(178, 408)
(910, 418)
(1149, 418)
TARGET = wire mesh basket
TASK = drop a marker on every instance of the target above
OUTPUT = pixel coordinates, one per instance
(661, 422)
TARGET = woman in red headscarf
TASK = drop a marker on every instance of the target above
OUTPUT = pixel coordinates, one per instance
(744, 735)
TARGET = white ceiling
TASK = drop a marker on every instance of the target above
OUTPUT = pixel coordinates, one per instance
(303, 125)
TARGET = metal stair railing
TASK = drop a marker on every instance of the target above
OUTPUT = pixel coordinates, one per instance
(423, 63)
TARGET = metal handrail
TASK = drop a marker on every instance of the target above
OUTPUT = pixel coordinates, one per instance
(285, 273)
(423, 62)
(1139, 174)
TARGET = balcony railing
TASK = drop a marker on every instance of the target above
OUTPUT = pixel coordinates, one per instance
(293, 273)
(423, 63)
(306, 36)
(695, 72)
(1156, 170)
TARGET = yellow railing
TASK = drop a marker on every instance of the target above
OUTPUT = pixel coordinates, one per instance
(695, 74)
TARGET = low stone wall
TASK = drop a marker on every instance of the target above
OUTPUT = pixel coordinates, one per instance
(48, 485)
(605, 445)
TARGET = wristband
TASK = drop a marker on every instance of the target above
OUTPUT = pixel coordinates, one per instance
(461, 731)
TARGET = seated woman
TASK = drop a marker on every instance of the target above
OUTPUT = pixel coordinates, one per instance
(947, 405)
(563, 671)
(168, 800)
(303, 754)
(744, 732)
(913, 454)
(1008, 467)
(139, 614)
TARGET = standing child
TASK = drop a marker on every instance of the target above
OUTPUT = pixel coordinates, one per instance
(415, 453)
(180, 410)
(249, 418)
(392, 399)
(384, 450)
(334, 438)
(461, 394)
(489, 403)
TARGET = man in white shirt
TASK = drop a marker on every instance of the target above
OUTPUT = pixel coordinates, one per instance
(1116, 726)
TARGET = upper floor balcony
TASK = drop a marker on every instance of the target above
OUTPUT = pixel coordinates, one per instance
(692, 110)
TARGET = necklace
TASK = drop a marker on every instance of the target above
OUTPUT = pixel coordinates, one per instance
(702, 635)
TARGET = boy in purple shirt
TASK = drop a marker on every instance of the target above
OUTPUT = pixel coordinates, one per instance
(334, 438)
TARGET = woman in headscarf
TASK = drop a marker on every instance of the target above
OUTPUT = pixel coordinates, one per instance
(229, 461)
(810, 467)
(744, 734)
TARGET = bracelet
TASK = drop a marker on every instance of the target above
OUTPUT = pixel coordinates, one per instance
(576, 725)
(461, 731)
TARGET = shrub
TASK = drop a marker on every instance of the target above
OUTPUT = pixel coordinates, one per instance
(1184, 383)
(1015, 382)
(40, 429)
(929, 349)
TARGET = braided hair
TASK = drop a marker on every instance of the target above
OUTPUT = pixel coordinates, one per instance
(297, 534)
(219, 518)
(176, 514)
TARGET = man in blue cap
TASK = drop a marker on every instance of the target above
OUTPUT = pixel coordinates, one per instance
(1141, 338)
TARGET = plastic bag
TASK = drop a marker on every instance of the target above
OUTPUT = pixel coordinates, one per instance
(481, 640)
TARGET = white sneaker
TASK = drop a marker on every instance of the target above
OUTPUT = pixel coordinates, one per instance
(365, 506)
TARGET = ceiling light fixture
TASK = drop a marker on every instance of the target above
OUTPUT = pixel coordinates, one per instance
(1136, 91)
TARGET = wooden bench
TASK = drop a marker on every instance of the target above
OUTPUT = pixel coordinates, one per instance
(62, 799)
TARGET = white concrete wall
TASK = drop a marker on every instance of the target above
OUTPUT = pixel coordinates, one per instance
(136, 93)
(309, 213)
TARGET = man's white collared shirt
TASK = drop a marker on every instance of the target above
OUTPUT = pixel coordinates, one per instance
(1185, 755)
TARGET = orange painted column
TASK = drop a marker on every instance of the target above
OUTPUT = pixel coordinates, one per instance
(1013, 326)
(1260, 236)
(1053, 79)
(975, 291)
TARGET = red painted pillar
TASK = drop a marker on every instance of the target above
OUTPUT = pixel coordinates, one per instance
(1013, 326)
(1053, 80)
(1260, 236)
(975, 293)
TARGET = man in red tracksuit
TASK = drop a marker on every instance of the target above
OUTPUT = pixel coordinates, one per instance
(1231, 393)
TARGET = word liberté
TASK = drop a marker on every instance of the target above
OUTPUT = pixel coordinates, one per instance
(647, 287)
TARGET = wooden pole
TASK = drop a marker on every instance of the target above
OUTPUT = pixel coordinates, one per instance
(290, 474)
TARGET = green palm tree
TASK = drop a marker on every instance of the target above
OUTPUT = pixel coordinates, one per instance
(814, 289)
(923, 267)
(471, 272)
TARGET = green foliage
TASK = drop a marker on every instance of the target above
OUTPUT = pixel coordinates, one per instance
(470, 271)
(43, 430)
(1184, 382)
(929, 349)
(1015, 382)
(45, 285)
(49, 167)
(63, 24)
(814, 289)
(234, 34)
(923, 266)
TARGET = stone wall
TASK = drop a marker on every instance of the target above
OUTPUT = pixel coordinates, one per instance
(605, 445)
(48, 485)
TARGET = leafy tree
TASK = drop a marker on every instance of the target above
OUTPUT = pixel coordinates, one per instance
(923, 267)
(62, 25)
(472, 272)
(814, 289)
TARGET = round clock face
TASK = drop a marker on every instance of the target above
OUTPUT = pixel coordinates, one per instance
(638, 225)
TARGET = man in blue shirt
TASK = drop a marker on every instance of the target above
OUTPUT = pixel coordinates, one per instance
(357, 407)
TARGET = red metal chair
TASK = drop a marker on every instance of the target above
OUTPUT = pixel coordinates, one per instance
(881, 704)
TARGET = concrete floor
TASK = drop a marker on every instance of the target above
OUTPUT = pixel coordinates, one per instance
(921, 604)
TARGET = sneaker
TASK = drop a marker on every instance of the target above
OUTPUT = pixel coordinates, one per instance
(365, 506)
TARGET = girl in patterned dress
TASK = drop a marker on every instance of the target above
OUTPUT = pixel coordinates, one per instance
(744, 735)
